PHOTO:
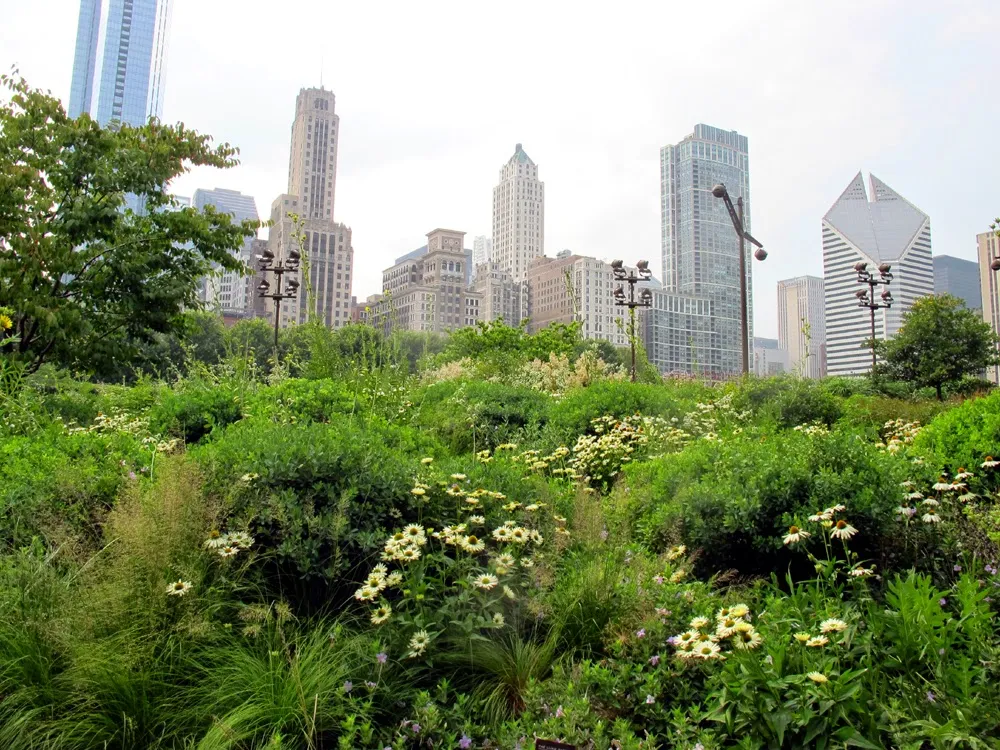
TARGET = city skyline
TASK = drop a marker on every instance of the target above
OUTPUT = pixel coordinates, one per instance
(397, 177)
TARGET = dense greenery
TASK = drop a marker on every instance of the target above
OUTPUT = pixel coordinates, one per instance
(87, 279)
(941, 342)
(412, 543)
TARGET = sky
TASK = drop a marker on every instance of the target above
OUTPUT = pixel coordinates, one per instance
(433, 96)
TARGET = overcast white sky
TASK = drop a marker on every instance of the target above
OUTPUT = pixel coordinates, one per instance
(433, 95)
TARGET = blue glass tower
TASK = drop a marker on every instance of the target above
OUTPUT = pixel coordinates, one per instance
(120, 60)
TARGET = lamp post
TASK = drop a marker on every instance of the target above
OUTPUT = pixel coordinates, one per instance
(291, 265)
(866, 297)
(645, 296)
(995, 267)
(736, 214)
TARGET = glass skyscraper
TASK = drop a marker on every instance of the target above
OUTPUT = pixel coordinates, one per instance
(700, 249)
(229, 291)
(120, 60)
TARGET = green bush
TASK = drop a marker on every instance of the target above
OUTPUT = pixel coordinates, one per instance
(733, 499)
(58, 485)
(572, 416)
(790, 401)
(195, 410)
(868, 414)
(318, 496)
(304, 400)
(963, 436)
(479, 415)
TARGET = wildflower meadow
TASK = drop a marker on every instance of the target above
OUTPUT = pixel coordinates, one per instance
(383, 543)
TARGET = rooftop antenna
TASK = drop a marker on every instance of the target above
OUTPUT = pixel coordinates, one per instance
(321, 71)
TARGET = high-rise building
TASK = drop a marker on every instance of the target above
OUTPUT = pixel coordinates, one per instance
(502, 297)
(887, 229)
(680, 334)
(482, 251)
(988, 249)
(518, 215)
(120, 60)
(229, 291)
(428, 292)
(959, 278)
(577, 288)
(312, 162)
(302, 219)
(700, 250)
(802, 325)
(769, 358)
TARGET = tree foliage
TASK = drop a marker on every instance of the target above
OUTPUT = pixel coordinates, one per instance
(89, 279)
(940, 342)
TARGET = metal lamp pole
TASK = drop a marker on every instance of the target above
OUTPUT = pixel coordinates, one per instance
(645, 296)
(866, 297)
(995, 267)
(719, 191)
(291, 265)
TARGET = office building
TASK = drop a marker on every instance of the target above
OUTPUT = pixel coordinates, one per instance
(120, 60)
(326, 245)
(679, 334)
(229, 291)
(518, 215)
(422, 251)
(959, 278)
(886, 229)
(988, 249)
(802, 325)
(482, 251)
(769, 359)
(428, 292)
(700, 249)
(501, 297)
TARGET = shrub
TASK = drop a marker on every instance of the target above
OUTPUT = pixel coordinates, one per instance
(318, 496)
(304, 400)
(734, 498)
(789, 401)
(574, 414)
(196, 410)
(965, 435)
(480, 415)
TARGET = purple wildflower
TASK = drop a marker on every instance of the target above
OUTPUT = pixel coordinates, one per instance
(465, 742)
(559, 713)
(654, 660)
(957, 568)
(940, 652)
(942, 601)
(650, 699)
(348, 686)
(640, 633)
(415, 728)
(370, 685)
(658, 580)
(930, 697)
(382, 657)
(131, 475)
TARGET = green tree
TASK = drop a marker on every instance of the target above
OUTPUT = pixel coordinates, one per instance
(941, 342)
(89, 280)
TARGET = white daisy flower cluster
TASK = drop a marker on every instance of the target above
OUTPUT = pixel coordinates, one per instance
(839, 528)
(898, 434)
(229, 545)
(732, 626)
(378, 581)
(812, 430)
(827, 628)
(406, 545)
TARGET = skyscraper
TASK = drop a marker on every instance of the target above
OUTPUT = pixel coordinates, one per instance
(482, 250)
(230, 291)
(802, 324)
(325, 245)
(959, 278)
(120, 60)
(988, 248)
(700, 250)
(888, 229)
(518, 215)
